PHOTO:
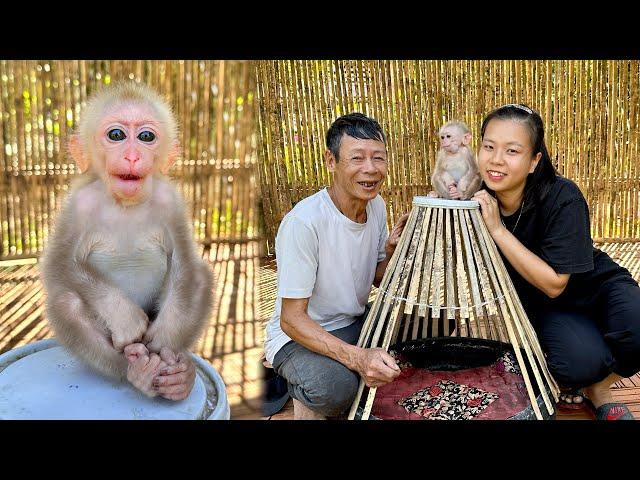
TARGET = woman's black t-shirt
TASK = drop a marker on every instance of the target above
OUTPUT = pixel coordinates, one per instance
(558, 231)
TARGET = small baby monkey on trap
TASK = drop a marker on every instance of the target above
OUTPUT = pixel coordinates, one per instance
(456, 175)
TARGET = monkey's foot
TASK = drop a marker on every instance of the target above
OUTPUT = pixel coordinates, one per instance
(142, 371)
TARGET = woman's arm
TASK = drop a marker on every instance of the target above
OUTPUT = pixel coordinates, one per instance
(531, 267)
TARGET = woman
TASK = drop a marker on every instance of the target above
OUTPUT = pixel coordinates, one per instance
(584, 307)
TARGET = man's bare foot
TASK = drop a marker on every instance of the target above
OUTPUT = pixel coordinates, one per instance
(302, 412)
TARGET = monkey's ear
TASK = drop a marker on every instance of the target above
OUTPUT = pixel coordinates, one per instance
(78, 154)
(330, 160)
(466, 139)
(172, 155)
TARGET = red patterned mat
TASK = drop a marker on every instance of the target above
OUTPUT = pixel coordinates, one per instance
(493, 392)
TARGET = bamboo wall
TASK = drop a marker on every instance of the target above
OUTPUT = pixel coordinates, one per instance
(590, 109)
(41, 102)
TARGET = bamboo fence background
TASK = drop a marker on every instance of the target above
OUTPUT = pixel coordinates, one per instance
(589, 107)
(214, 105)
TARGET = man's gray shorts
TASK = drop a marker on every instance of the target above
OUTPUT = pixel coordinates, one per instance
(322, 384)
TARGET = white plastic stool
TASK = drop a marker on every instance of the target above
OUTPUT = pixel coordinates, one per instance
(43, 381)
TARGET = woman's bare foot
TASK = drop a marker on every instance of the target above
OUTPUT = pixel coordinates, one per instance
(600, 393)
(572, 399)
(606, 408)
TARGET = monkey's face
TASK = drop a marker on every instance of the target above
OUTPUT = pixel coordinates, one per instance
(506, 156)
(451, 139)
(361, 168)
(131, 141)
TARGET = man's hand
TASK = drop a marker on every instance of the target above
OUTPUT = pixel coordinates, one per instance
(394, 236)
(376, 367)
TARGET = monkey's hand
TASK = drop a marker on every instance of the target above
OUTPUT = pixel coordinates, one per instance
(143, 368)
(127, 326)
(176, 380)
(135, 351)
(158, 335)
(454, 194)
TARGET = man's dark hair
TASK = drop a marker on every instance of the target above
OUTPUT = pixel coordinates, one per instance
(355, 125)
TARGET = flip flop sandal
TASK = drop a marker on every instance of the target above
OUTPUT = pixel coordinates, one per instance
(613, 411)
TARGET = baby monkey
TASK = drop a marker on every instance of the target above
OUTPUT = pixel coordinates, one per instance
(456, 175)
(126, 289)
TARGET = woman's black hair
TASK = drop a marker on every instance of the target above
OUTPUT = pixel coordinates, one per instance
(539, 182)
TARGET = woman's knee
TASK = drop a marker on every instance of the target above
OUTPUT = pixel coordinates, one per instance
(576, 368)
(621, 320)
(577, 354)
(625, 347)
(621, 300)
(626, 341)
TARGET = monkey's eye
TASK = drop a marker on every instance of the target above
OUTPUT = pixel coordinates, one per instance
(147, 136)
(116, 135)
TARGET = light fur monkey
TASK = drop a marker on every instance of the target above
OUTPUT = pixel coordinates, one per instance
(126, 289)
(456, 174)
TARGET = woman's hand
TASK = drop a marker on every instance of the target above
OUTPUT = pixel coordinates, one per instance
(490, 212)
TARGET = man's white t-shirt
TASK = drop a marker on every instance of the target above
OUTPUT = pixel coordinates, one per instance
(326, 257)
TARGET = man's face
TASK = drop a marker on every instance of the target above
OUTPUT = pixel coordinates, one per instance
(361, 169)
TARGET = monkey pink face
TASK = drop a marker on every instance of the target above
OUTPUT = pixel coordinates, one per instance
(506, 156)
(361, 169)
(130, 137)
(451, 139)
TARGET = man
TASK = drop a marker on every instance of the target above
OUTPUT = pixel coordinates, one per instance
(330, 248)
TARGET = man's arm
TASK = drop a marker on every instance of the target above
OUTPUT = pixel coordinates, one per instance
(376, 366)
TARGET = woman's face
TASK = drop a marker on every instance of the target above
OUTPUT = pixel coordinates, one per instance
(506, 155)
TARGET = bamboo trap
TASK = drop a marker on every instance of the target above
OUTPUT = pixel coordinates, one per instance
(446, 279)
